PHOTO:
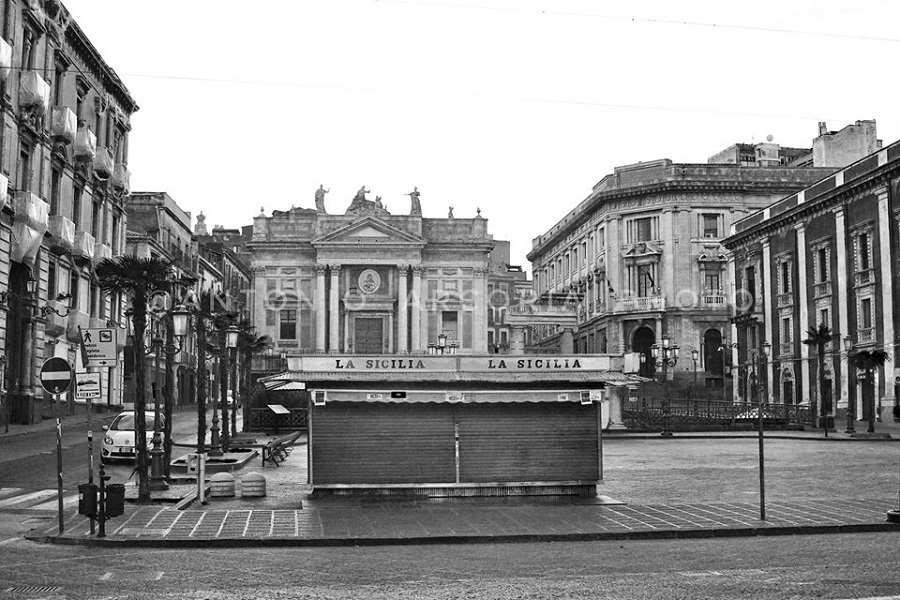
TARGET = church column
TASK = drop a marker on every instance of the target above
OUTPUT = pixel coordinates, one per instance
(417, 309)
(320, 308)
(334, 341)
(402, 325)
(479, 312)
(517, 340)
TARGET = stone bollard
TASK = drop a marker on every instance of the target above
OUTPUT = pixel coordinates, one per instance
(221, 485)
(253, 485)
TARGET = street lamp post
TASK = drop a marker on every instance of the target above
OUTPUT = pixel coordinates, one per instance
(231, 342)
(157, 478)
(666, 356)
(851, 406)
(695, 356)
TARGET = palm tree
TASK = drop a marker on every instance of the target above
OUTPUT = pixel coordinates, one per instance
(138, 278)
(869, 361)
(248, 344)
(819, 337)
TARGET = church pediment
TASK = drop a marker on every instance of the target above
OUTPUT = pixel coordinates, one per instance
(369, 230)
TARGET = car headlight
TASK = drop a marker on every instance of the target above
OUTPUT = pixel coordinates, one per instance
(107, 440)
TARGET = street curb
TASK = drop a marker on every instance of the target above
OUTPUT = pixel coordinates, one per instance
(750, 435)
(671, 534)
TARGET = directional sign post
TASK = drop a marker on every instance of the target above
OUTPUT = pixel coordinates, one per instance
(99, 347)
(56, 375)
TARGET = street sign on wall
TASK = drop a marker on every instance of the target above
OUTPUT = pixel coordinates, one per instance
(56, 375)
(87, 386)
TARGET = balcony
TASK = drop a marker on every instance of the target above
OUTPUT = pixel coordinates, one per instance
(866, 277)
(101, 251)
(34, 92)
(784, 300)
(712, 301)
(103, 163)
(820, 290)
(84, 245)
(121, 179)
(85, 145)
(62, 234)
(640, 304)
(63, 125)
(32, 211)
(865, 335)
(5, 59)
(4, 190)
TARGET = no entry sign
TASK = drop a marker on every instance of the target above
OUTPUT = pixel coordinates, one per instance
(56, 375)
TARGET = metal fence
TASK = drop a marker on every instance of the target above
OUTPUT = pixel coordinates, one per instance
(694, 415)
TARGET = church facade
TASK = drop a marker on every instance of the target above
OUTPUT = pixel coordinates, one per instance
(368, 281)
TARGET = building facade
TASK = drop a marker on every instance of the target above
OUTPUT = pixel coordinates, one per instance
(63, 180)
(642, 256)
(370, 282)
(825, 255)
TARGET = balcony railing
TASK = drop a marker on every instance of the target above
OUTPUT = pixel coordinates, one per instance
(63, 125)
(31, 210)
(84, 244)
(121, 178)
(34, 92)
(103, 163)
(822, 289)
(85, 145)
(864, 277)
(62, 234)
(785, 300)
(712, 301)
(865, 335)
(640, 304)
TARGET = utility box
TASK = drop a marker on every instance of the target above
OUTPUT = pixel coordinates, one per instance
(115, 499)
(87, 499)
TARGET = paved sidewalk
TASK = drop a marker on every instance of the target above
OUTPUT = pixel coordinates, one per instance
(288, 516)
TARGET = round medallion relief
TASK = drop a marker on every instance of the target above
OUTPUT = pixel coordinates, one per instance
(369, 281)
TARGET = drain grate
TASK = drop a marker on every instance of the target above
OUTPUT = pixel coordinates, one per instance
(132, 576)
(32, 589)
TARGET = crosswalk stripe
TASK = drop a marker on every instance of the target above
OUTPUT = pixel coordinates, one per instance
(38, 496)
(68, 502)
(9, 491)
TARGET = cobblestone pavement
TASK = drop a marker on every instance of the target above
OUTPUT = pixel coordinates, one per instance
(686, 486)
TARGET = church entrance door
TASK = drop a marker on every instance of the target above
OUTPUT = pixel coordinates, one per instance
(368, 335)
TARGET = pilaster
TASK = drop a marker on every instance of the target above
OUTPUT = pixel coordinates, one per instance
(887, 302)
(840, 247)
(320, 308)
(334, 340)
(402, 310)
(804, 325)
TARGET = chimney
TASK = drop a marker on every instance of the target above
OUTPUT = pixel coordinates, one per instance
(822, 128)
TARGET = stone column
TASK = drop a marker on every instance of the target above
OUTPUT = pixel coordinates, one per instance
(334, 341)
(887, 304)
(840, 247)
(804, 321)
(479, 302)
(402, 324)
(732, 291)
(566, 342)
(320, 308)
(417, 309)
(769, 313)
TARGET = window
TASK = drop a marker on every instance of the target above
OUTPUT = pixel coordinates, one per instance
(80, 95)
(822, 271)
(115, 234)
(288, 329)
(95, 301)
(645, 282)
(58, 76)
(55, 179)
(76, 206)
(51, 279)
(863, 259)
(450, 325)
(74, 279)
(641, 230)
(28, 49)
(95, 220)
(709, 226)
(786, 329)
(25, 168)
(711, 282)
(824, 317)
(865, 313)
(785, 271)
(574, 259)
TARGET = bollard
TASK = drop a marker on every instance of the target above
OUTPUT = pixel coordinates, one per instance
(221, 485)
(253, 485)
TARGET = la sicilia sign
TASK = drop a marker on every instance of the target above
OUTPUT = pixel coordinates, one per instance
(390, 364)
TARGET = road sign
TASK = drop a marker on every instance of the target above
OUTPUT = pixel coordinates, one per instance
(56, 375)
(99, 347)
(87, 385)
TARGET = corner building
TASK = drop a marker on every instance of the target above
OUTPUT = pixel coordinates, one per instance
(369, 282)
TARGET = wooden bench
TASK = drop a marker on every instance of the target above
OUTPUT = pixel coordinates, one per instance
(278, 449)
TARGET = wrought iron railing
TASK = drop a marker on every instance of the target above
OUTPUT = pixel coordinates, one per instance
(683, 414)
(264, 419)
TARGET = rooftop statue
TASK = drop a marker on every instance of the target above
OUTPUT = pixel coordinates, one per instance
(320, 198)
(415, 207)
(360, 206)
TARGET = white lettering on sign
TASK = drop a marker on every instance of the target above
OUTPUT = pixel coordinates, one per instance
(452, 363)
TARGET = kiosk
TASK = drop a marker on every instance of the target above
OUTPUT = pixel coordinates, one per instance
(454, 425)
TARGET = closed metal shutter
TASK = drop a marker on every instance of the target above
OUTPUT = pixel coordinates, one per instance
(377, 443)
(527, 442)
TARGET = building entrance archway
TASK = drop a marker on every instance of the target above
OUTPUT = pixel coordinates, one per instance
(641, 341)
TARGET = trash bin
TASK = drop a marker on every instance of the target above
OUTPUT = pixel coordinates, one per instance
(115, 499)
(87, 499)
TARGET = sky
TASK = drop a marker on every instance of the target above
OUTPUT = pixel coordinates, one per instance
(513, 107)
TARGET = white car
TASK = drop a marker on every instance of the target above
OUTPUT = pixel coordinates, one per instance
(119, 436)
